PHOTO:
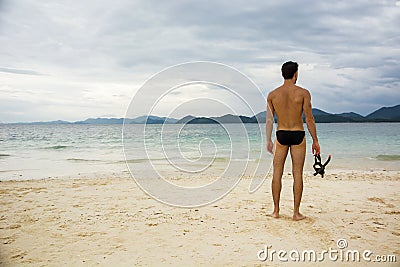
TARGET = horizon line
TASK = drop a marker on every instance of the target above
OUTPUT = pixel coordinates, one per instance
(72, 122)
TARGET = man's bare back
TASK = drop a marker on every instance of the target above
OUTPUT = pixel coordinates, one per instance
(288, 102)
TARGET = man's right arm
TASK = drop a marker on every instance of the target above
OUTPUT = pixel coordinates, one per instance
(269, 123)
(307, 108)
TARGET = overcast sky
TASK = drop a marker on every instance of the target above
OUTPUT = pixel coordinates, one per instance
(72, 60)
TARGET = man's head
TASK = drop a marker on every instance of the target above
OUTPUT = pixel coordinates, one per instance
(289, 70)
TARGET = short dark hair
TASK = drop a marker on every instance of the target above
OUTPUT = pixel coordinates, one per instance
(289, 69)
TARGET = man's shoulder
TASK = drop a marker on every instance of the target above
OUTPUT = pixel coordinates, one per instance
(300, 88)
(272, 93)
(303, 90)
(275, 91)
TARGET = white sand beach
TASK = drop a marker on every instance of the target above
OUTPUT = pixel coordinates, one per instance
(111, 222)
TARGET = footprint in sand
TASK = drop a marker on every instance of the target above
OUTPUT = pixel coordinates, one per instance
(86, 234)
(376, 199)
(381, 201)
(378, 223)
(19, 255)
(13, 226)
(394, 212)
(8, 240)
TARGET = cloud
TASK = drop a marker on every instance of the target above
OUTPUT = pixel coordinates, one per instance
(19, 71)
(345, 48)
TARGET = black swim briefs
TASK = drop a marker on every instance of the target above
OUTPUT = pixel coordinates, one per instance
(289, 138)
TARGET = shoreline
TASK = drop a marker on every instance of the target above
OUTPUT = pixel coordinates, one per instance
(336, 173)
(109, 221)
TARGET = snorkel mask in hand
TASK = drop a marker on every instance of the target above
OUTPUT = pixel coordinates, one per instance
(318, 166)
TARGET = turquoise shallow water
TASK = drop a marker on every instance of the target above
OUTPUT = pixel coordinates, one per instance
(42, 151)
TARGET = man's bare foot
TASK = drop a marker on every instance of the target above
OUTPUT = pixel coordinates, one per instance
(298, 217)
(275, 215)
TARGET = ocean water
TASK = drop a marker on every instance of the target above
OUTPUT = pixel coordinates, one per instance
(56, 151)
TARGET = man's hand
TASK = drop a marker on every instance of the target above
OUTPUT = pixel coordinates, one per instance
(270, 146)
(316, 150)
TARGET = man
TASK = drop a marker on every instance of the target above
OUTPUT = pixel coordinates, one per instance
(288, 102)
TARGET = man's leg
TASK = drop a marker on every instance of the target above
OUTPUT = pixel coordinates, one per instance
(298, 154)
(279, 163)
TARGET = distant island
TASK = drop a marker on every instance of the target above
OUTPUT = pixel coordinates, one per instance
(384, 114)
